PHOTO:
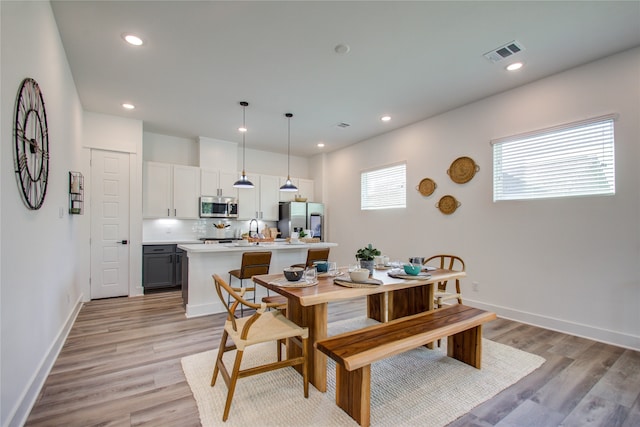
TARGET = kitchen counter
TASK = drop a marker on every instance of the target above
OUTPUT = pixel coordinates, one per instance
(205, 260)
(261, 246)
(171, 242)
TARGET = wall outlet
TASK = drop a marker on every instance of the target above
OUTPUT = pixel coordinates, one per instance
(475, 286)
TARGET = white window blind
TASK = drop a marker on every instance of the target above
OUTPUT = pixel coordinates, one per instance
(576, 159)
(384, 188)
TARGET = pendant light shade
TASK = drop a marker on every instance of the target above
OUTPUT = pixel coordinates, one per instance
(288, 185)
(243, 182)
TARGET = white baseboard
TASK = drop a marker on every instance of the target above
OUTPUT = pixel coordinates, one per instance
(204, 309)
(580, 330)
(21, 411)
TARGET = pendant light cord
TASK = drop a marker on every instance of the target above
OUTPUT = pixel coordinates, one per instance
(288, 185)
(289, 146)
(243, 182)
(244, 126)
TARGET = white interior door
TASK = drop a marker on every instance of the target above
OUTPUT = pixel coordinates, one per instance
(109, 224)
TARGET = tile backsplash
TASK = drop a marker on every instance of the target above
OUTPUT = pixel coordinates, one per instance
(171, 229)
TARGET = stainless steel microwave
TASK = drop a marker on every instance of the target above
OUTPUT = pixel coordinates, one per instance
(218, 207)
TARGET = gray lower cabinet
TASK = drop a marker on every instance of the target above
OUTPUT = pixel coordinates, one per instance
(161, 266)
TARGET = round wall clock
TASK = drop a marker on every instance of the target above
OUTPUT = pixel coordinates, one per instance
(31, 137)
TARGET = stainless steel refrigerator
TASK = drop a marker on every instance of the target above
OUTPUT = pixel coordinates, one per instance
(296, 216)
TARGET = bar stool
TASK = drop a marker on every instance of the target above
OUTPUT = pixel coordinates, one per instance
(313, 254)
(253, 263)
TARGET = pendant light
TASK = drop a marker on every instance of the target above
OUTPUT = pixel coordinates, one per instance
(243, 182)
(288, 186)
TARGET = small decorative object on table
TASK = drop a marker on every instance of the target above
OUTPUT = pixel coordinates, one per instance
(412, 269)
(366, 256)
(293, 273)
(359, 275)
(321, 266)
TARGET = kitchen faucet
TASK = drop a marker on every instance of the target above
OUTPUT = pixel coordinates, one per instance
(257, 227)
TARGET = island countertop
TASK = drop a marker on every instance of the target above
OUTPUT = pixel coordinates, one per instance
(203, 260)
(261, 246)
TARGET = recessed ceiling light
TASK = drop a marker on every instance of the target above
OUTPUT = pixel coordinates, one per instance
(342, 48)
(128, 106)
(385, 118)
(133, 39)
(320, 144)
(515, 66)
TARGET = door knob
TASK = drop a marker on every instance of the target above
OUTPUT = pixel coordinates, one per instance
(123, 242)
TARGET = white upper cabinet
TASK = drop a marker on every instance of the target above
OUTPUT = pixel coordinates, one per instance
(269, 194)
(218, 183)
(226, 183)
(157, 199)
(305, 189)
(186, 191)
(260, 202)
(170, 191)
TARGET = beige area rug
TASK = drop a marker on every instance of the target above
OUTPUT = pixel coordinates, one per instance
(406, 389)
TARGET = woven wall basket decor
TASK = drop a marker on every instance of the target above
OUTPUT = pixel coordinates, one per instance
(448, 204)
(426, 187)
(462, 170)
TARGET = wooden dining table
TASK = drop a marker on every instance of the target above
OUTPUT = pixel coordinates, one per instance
(394, 298)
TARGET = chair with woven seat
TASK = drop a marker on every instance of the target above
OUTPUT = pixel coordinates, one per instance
(253, 263)
(314, 254)
(449, 262)
(261, 327)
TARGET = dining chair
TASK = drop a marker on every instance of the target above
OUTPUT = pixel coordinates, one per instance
(253, 263)
(261, 327)
(314, 254)
(449, 262)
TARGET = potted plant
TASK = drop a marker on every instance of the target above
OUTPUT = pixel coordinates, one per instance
(366, 257)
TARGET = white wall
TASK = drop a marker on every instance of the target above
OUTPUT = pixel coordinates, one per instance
(218, 154)
(44, 264)
(567, 264)
(267, 163)
(184, 151)
(170, 149)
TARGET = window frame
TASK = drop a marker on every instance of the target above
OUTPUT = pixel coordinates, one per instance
(573, 150)
(372, 206)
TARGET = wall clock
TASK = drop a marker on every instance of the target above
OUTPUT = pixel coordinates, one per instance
(31, 138)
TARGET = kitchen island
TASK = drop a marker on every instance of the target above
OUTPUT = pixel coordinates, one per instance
(205, 260)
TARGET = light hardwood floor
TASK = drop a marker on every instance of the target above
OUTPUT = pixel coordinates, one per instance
(120, 366)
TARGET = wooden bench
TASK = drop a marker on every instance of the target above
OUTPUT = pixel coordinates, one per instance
(355, 351)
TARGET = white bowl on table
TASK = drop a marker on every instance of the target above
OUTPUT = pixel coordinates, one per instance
(359, 275)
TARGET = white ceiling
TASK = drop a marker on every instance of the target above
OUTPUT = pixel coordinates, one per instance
(411, 60)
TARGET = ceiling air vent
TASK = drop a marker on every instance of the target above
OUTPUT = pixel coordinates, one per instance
(343, 125)
(504, 51)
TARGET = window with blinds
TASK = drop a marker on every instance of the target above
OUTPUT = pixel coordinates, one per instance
(384, 188)
(576, 159)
